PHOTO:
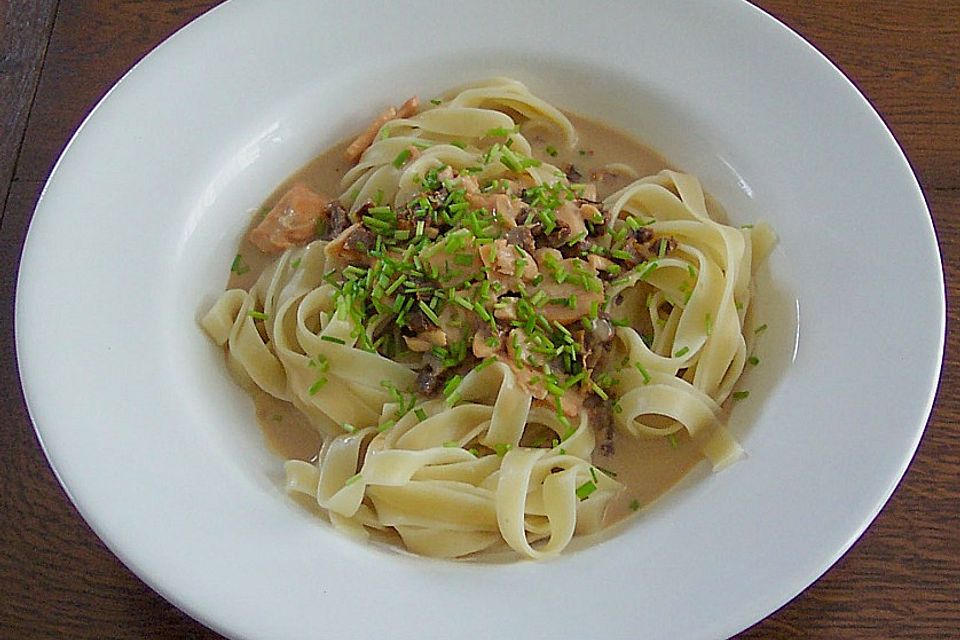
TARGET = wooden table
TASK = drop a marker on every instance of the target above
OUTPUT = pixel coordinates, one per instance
(57, 580)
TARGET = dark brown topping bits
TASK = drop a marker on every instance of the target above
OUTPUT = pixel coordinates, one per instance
(429, 380)
(521, 237)
(572, 174)
(335, 221)
(465, 273)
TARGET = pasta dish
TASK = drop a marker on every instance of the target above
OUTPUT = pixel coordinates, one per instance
(488, 337)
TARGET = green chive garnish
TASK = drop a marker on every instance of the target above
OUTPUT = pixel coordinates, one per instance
(238, 266)
(316, 386)
(584, 490)
(643, 372)
(401, 158)
(501, 448)
(427, 311)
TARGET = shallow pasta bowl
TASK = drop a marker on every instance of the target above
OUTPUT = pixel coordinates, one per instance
(160, 451)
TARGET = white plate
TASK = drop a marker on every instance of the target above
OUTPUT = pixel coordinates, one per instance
(159, 450)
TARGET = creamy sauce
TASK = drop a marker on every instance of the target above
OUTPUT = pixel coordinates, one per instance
(646, 466)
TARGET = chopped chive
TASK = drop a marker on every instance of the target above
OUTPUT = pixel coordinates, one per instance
(672, 439)
(401, 158)
(420, 413)
(349, 428)
(607, 472)
(501, 448)
(316, 386)
(238, 266)
(485, 363)
(597, 390)
(482, 312)
(452, 385)
(551, 151)
(296, 263)
(754, 360)
(352, 479)
(451, 444)
(553, 389)
(634, 505)
(376, 224)
(740, 395)
(458, 144)
(257, 315)
(648, 268)
(760, 329)
(681, 352)
(497, 132)
(643, 372)
(396, 285)
(662, 251)
(436, 101)
(620, 254)
(332, 339)
(386, 426)
(427, 311)
(584, 490)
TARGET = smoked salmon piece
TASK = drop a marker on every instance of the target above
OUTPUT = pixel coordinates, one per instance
(365, 139)
(291, 222)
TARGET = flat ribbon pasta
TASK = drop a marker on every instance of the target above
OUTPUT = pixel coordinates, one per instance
(503, 456)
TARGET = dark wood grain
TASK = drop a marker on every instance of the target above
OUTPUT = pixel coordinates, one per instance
(23, 43)
(57, 580)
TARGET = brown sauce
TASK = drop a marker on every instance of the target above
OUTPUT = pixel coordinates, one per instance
(646, 466)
